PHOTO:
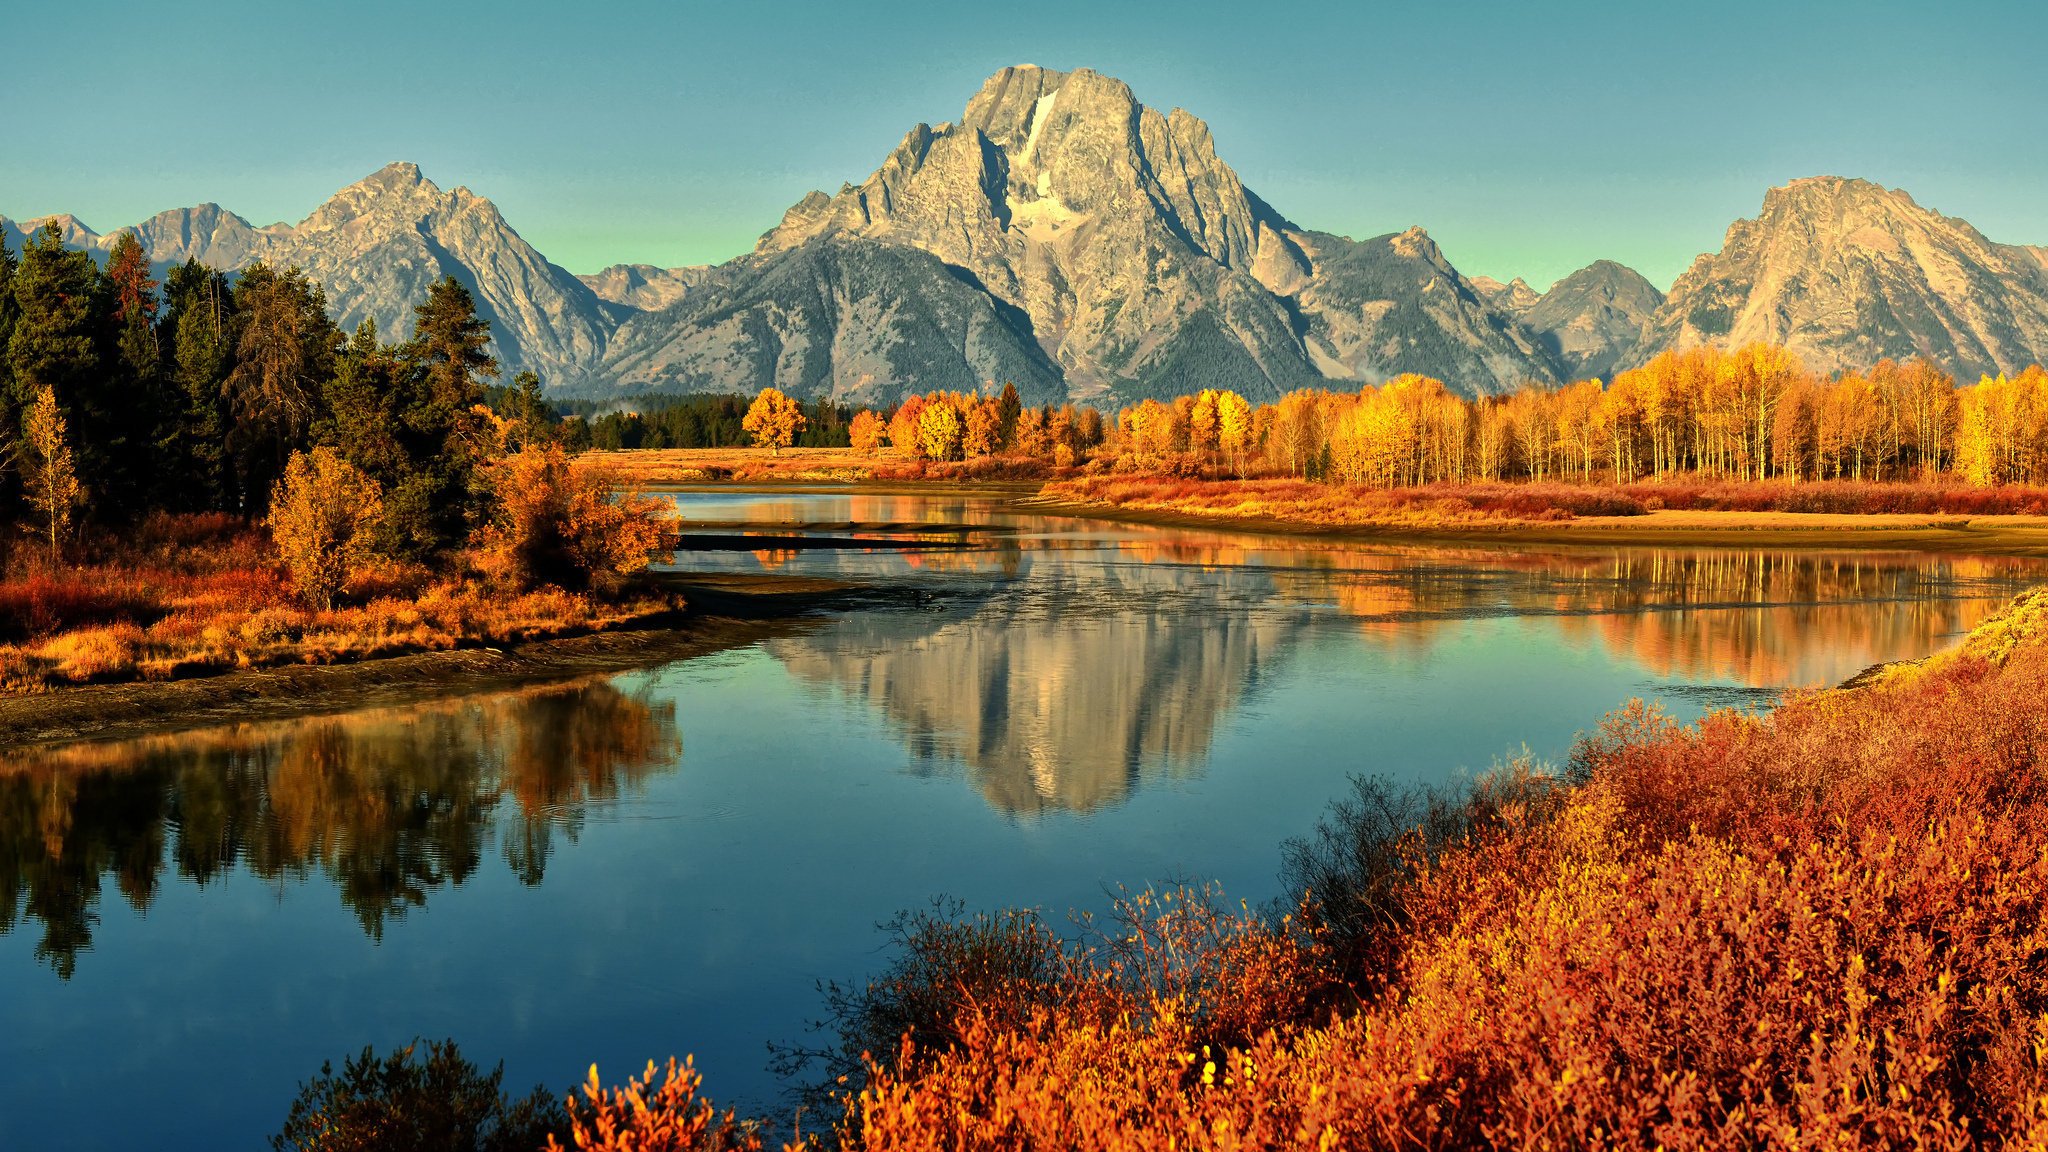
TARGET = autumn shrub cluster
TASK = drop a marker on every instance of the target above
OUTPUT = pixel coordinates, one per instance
(1822, 926)
(190, 596)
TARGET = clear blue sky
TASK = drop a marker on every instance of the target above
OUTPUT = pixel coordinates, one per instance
(1530, 139)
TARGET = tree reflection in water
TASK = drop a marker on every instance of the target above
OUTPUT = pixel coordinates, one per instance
(390, 804)
(1063, 675)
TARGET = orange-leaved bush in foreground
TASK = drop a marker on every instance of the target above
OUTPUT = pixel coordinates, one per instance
(562, 522)
(1823, 926)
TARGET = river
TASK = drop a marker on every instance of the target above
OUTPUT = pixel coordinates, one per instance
(666, 861)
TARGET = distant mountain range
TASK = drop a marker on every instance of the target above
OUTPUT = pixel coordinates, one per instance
(1066, 237)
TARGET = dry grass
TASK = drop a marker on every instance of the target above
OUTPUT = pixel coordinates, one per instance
(194, 596)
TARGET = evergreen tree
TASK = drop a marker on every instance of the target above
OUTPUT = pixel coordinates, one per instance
(1008, 408)
(285, 349)
(452, 344)
(199, 322)
(121, 415)
(52, 342)
(10, 413)
(449, 355)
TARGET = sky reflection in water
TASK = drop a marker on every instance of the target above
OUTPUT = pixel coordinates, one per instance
(549, 876)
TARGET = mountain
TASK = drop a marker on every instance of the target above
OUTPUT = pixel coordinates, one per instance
(1847, 273)
(644, 287)
(1513, 297)
(1066, 237)
(1594, 318)
(1112, 237)
(377, 245)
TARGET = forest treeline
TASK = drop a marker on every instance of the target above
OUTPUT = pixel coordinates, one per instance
(1750, 413)
(218, 476)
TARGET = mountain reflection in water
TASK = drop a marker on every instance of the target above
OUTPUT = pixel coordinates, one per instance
(389, 804)
(1058, 670)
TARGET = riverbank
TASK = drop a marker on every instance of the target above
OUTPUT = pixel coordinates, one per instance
(1995, 535)
(722, 613)
(1226, 506)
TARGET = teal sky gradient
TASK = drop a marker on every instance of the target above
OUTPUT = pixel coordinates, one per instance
(1530, 139)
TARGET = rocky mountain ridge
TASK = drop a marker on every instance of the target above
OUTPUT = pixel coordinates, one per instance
(1063, 235)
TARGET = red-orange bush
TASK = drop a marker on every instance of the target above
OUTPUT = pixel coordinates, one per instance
(1824, 926)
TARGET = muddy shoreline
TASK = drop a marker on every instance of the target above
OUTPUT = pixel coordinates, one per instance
(724, 613)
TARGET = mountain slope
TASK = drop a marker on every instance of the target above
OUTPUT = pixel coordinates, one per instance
(838, 316)
(1847, 272)
(1594, 318)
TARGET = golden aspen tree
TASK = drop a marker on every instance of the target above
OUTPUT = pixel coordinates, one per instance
(866, 431)
(323, 516)
(54, 490)
(940, 430)
(984, 428)
(1233, 427)
(774, 421)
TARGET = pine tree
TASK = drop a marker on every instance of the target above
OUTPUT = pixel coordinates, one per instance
(199, 323)
(1009, 407)
(284, 353)
(10, 412)
(52, 344)
(453, 344)
(449, 358)
(120, 417)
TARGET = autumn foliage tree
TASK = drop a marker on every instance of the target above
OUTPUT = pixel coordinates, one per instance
(53, 487)
(866, 432)
(324, 515)
(774, 420)
(562, 522)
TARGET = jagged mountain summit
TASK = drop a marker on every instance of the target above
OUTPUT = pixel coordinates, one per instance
(1847, 272)
(1118, 255)
(1594, 318)
(645, 287)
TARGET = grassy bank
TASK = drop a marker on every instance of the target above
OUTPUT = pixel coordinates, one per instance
(1826, 925)
(198, 596)
(1892, 516)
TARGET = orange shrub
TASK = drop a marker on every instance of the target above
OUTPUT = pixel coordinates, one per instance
(562, 522)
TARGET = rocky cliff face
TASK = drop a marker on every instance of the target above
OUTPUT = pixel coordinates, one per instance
(1593, 319)
(1848, 273)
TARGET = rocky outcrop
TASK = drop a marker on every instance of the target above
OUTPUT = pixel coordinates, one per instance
(1513, 297)
(1847, 273)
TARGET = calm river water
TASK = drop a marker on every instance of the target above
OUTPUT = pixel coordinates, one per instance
(666, 861)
